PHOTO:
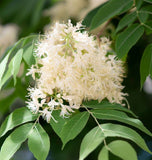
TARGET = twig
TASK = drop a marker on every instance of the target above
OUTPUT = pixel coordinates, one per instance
(35, 122)
(105, 143)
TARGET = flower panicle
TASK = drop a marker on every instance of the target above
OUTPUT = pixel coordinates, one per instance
(72, 67)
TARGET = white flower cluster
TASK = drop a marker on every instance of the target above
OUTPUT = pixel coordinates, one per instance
(8, 36)
(73, 67)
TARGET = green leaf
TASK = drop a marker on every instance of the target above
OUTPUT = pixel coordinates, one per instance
(29, 40)
(61, 127)
(57, 126)
(88, 19)
(121, 117)
(103, 155)
(148, 27)
(144, 12)
(115, 130)
(28, 55)
(90, 142)
(14, 141)
(127, 39)
(38, 142)
(6, 76)
(74, 126)
(3, 65)
(15, 65)
(149, 1)
(108, 106)
(146, 64)
(19, 116)
(138, 3)
(123, 150)
(126, 20)
(21, 44)
(96, 136)
(109, 10)
(143, 16)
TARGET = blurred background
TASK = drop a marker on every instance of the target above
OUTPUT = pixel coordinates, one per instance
(20, 18)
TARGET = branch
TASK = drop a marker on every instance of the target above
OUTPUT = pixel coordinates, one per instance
(102, 130)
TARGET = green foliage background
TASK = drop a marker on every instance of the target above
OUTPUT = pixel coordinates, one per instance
(132, 42)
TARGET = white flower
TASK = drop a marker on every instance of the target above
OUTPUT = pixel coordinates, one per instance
(31, 106)
(37, 97)
(52, 104)
(32, 71)
(65, 109)
(47, 115)
(72, 68)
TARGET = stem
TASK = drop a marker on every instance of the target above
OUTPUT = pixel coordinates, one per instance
(105, 143)
(94, 118)
(36, 121)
